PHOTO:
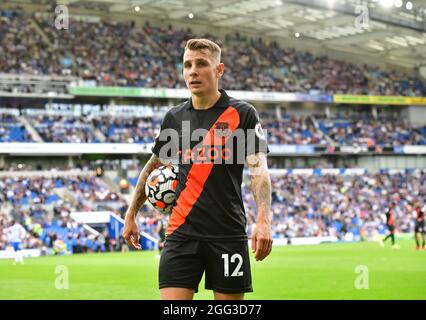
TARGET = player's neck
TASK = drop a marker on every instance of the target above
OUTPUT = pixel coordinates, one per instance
(204, 102)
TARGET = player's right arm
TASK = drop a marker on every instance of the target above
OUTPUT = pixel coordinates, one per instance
(130, 231)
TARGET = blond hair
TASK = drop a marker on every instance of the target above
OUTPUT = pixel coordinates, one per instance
(200, 44)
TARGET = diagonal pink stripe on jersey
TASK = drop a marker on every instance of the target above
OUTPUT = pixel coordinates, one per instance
(198, 175)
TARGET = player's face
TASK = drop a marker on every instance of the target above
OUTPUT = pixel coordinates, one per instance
(201, 71)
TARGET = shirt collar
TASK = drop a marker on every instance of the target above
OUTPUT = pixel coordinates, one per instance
(223, 101)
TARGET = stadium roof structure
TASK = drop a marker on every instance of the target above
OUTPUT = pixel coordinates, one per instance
(393, 30)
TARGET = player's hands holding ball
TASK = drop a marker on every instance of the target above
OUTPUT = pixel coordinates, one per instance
(160, 191)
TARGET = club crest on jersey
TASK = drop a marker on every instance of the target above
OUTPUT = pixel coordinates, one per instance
(222, 130)
(259, 131)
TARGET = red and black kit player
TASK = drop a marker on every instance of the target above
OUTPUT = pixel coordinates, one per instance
(390, 223)
(211, 136)
(419, 227)
(207, 228)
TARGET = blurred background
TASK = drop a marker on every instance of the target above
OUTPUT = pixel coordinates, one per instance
(340, 87)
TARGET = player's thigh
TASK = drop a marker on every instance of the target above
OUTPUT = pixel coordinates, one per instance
(181, 265)
(227, 267)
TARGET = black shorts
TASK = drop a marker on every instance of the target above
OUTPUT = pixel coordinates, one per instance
(227, 265)
(420, 227)
(391, 228)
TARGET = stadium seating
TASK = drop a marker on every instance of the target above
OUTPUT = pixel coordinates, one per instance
(373, 132)
(46, 215)
(124, 54)
(128, 130)
(323, 205)
(11, 130)
(296, 130)
(289, 130)
(64, 129)
(110, 53)
(302, 205)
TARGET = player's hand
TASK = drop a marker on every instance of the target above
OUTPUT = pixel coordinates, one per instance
(261, 241)
(131, 232)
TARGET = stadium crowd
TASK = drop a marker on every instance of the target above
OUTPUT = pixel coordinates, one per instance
(88, 192)
(387, 133)
(291, 130)
(330, 205)
(350, 207)
(64, 129)
(124, 54)
(296, 130)
(128, 130)
(43, 206)
(11, 130)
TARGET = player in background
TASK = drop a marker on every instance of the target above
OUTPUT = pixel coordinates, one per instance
(16, 233)
(419, 227)
(390, 224)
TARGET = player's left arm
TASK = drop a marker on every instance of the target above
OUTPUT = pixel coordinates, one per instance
(261, 188)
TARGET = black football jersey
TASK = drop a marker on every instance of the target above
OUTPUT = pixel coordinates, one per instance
(210, 147)
(420, 215)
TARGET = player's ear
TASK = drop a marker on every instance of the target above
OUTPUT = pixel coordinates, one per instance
(220, 69)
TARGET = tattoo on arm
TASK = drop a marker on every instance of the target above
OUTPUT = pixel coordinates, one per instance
(260, 185)
(139, 196)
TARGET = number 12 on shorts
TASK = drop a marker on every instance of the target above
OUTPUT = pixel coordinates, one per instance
(237, 272)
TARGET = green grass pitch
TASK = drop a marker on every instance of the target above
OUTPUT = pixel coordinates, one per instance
(326, 271)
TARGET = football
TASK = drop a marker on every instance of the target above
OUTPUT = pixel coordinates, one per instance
(160, 187)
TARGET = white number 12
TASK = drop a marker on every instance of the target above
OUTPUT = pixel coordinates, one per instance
(237, 272)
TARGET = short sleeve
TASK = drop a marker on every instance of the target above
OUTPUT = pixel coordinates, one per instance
(165, 143)
(255, 138)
